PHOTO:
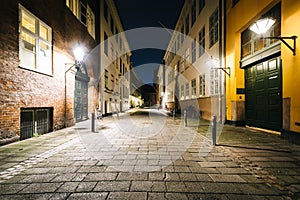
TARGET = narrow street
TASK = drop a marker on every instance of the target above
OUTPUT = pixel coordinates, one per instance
(145, 154)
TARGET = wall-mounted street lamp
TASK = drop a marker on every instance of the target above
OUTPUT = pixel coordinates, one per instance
(261, 26)
(213, 63)
(78, 54)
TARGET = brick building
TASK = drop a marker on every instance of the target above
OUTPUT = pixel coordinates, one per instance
(40, 88)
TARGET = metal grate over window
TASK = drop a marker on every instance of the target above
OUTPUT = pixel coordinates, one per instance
(35, 121)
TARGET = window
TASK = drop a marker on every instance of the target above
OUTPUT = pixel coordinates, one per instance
(202, 41)
(187, 58)
(194, 12)
(73, 6)
(106, 79)
(194, 51)
(234, 2)
(201, 5)
(105, 7)
(178, 42)
(187, 24)
(214, 81)
(214, 28)
(182, 34)
(112, 25)
(36, 42)
(84, 14)
(202, 85)
(187, 90)
(105, 44)
(112, 82)
(90, 22)
(252, 43)
(182, 92)
(193, 85)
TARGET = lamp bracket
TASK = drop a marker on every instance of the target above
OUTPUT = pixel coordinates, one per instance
(283, 39)
(224, 69)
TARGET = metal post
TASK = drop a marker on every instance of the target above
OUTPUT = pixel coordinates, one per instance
(93, 122)
(214, 130)
(185, 118)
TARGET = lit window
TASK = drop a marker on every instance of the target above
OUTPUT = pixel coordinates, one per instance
(36, 42)
(84, 14)
(73, 6)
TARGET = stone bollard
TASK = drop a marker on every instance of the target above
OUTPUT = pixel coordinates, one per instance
(214, 130)
(93, 122)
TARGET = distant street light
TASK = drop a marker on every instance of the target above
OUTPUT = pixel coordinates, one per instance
(262, 26)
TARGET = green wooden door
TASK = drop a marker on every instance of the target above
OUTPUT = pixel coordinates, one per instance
(264, 95)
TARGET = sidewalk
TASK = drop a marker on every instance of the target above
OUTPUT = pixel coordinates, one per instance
(177, 164)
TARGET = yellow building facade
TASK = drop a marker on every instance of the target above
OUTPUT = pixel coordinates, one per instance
(262, 88)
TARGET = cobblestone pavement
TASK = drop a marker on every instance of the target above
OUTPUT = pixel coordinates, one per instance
(149, 156)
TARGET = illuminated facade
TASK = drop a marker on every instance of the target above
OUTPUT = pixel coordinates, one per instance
(193, 78)
(115, 61)
(261, 90)
(41, 90)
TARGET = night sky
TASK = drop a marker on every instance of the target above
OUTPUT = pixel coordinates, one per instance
(148, 13)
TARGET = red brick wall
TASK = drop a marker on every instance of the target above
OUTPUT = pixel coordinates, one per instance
(22, 88)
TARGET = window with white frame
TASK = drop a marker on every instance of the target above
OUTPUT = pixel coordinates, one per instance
(35, 43)
(187, 91)
(194, 51)
(182, 92)
(202, 85)
(193, 85)
(214, 81)
(187, 58)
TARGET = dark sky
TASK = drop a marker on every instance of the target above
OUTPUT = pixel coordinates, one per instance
(148, 13)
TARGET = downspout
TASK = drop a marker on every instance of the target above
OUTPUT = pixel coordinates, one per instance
(224, 56)
(220, 59)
